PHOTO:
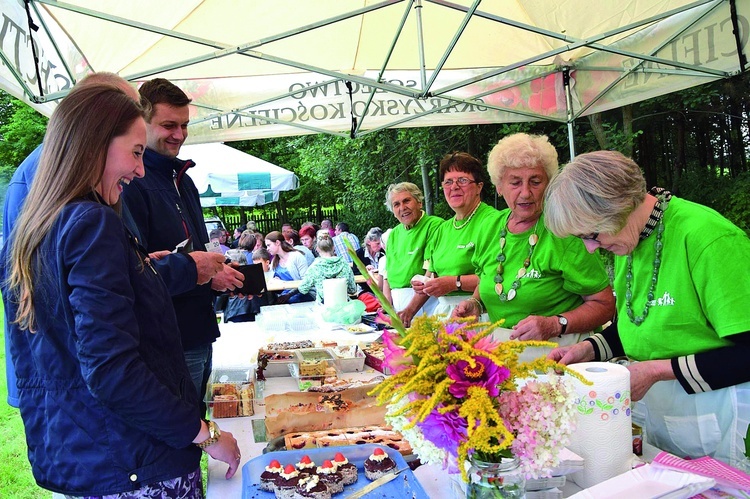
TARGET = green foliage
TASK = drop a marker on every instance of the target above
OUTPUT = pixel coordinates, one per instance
(21, 130)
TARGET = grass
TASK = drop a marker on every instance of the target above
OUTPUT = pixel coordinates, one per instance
(16, 480)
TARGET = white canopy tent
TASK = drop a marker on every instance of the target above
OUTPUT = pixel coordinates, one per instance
(226, 176)
(285, 67)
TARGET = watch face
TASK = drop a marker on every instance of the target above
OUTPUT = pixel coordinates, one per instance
(562, 320)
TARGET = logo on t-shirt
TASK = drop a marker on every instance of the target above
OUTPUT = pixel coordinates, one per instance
(665, 301)
(532, 274)
(468, 245)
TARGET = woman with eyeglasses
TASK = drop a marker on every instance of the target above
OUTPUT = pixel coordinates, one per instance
(683, 289)
(545, 287)
(450, 275)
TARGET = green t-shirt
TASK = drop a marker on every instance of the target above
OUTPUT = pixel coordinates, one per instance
(703, 290)
(405, 250)
(561, 271)
(451, 251)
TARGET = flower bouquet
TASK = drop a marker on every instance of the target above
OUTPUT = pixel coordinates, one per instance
(457, 395)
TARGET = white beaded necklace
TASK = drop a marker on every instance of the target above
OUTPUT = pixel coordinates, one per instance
(467, 219)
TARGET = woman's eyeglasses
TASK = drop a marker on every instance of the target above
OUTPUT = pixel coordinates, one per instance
(591, 237)
(460, 181)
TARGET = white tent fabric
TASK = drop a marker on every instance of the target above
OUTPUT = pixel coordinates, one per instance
(226, 176)
(286, 67)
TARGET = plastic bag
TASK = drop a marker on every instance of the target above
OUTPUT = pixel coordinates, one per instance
(350, 313)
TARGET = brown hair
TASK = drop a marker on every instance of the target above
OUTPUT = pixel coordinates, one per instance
(285, 246)
(247, 241)
(71, 166)
(161, 91)
(462, 162)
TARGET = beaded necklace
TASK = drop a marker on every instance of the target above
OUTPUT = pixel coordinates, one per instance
(467, 219)
(663, 202)
(511, 293)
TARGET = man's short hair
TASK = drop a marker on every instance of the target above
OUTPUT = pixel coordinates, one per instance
(342, 226)
(162, 91)
(215, 233)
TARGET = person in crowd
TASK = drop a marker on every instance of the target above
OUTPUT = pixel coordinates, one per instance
(327, 224)
(545, 287)
(682, 291)
(288, 264)
(327, 266)
(94, 336)
(286, 231)
(217, 235)
(263, 257)
(450, 275)
(166, 209)
(180, 271)
(342, 231)
(245, 247)
(237, 235)
(406, 247)
(370, 255)
(308, 239)
(297, 244)
(260, 241)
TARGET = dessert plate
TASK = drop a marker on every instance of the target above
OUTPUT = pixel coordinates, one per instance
(405, 485)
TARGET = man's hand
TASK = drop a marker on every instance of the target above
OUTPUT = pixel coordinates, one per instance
(207, 264)
(158, 255)
(227, 280)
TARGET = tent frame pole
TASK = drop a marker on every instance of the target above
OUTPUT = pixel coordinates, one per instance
(569, 109)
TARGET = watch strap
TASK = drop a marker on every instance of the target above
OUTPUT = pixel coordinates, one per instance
(213, 436)
(458, 283)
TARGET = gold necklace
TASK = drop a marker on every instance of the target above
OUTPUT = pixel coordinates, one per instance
(467, 219)
(511, 293)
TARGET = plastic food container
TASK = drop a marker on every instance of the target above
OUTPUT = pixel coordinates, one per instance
(349, 358)
(231, 393)
(278, 364)
(305, 383)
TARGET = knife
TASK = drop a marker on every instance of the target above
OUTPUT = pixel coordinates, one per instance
(374, 485)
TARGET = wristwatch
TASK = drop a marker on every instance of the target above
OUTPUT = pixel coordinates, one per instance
(458, 283)
(213, 436)
(563, 322)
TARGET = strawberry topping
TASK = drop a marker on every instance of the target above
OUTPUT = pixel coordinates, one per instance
(339, 457)
(378, 451)
(288, 469)
(275, 464)
(305, 459)
(327, 464)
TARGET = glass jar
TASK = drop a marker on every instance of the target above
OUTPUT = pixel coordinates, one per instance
(495, 480)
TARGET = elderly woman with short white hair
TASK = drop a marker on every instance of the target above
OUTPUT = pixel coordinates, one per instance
(406, 248)
(545, 287)
(683, 289)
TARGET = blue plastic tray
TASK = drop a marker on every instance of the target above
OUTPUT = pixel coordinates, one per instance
(403, 486)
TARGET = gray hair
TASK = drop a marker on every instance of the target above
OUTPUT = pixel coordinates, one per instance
(402, 187)
(596, 192)
(374, 234)
(522, 150)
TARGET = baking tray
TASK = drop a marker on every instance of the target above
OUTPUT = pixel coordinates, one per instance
(404, 486)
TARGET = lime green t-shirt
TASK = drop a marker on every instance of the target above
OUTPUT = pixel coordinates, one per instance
(702, 294)
(405, 250)
(561, 271)
(451, 251)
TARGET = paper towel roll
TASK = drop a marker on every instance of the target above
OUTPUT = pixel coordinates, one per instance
(603, 436)
(334, 292)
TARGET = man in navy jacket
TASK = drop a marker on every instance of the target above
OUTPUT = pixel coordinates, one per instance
(165, 207)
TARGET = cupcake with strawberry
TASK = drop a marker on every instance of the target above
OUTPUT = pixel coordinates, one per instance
(269, 476)
(287, 482)
(378, 464)
(312, 486)
(348, 470)
(332, 478)
(305, 466)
